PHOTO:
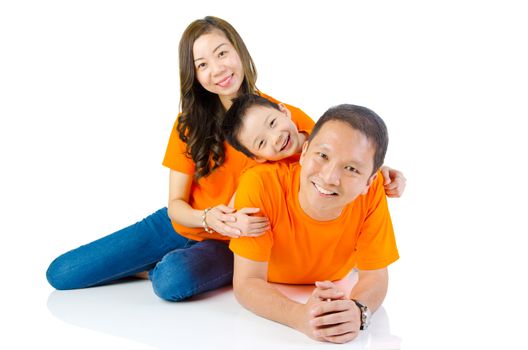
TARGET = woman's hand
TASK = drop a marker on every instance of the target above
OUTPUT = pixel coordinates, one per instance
(218, 219)
(229, 222)
(394, 182)
(249, 225)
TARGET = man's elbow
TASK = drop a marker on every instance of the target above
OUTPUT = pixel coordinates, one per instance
(238, 287)
(245, 289)
(248, 278)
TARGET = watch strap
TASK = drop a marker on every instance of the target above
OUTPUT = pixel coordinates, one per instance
(364, 314)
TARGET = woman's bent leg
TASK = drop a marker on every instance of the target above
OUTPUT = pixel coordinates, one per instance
(182, 273)
(128, 251)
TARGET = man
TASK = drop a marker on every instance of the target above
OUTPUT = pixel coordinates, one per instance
(328, 215)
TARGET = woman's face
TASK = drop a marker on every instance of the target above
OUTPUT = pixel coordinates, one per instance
(217, 65)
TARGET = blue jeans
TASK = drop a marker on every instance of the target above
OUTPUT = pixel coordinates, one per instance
(178, 267)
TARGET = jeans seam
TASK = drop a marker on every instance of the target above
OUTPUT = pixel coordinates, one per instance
(114, 278)
(152, 262)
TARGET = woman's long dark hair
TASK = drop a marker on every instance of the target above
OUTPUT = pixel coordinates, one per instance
(200, 122)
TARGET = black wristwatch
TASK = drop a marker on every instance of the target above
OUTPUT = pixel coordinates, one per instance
(365, 315)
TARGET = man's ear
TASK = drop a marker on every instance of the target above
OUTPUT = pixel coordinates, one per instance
(369, 182)
(303, 152)
(284, 110)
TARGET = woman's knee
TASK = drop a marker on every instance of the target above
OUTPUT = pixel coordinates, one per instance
(172, 279)
(59, 274)
(186, 272)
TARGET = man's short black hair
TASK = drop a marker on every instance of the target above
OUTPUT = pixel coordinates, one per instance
(363, 120)
(234, 118)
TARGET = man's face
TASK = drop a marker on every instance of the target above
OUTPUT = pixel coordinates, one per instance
(269, 134)
(336, 168)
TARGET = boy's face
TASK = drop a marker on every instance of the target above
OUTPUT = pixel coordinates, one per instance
(269, 134)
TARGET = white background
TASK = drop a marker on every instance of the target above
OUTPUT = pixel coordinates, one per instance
(89, 91)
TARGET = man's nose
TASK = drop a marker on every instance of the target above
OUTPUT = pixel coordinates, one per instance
(331, 174)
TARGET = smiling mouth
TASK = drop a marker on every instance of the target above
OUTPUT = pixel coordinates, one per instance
(224, 82)
(285, 143)
(323, 191)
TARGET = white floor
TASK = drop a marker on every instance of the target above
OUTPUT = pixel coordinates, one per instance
(132, 312)
(454, 310)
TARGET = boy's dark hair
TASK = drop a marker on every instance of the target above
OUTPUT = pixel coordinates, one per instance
(363, 120)
(234, 118)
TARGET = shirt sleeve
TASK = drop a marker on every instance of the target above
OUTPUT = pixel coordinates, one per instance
(376, 247)
(302, 121)
(250, 193)
(176, 157)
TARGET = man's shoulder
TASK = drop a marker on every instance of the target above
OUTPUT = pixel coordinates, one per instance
(377, 184)
(264, 186)
(269, 170)
(268, 179)
(374, 196)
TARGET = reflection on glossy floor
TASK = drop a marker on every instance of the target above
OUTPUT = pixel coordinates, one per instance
(131, 310)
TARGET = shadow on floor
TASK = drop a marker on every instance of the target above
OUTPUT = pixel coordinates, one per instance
(131, 310)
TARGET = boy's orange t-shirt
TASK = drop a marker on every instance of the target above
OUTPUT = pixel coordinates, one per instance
(221, 184)
(301, 250)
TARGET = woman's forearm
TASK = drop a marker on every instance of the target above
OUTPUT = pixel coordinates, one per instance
(182, 213)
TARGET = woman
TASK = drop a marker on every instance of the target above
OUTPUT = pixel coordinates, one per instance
(184, 248)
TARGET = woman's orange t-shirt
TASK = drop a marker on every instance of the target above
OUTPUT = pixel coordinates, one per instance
(219, 186)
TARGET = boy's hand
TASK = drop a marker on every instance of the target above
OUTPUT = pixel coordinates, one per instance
(394, 182)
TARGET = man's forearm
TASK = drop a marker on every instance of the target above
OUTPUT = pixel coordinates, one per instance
(263, 299)
(371, 288)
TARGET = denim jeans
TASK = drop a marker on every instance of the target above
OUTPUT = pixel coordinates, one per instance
(178, 267)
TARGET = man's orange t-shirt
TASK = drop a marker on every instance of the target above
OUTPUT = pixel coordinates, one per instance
(301, 250)
(220, 185)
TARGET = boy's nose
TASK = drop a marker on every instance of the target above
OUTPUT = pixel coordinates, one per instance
(279, 139)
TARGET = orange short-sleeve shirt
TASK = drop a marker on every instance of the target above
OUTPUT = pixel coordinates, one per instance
(301, 250)
(219, 186)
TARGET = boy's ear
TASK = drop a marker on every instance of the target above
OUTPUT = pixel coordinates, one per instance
(369, 182)
(284, 110)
